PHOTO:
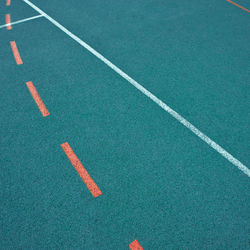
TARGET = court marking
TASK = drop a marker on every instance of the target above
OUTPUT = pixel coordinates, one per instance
(147, 93)
(135, 245)
(37, 99)
(8, 22)
(238, 5)
(91, 185)
(21, 21)
(8, 2)
(16, 53)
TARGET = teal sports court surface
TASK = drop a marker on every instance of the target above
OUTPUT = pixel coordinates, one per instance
(125, 124)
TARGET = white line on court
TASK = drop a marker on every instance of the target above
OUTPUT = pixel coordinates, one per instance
(155, 99)
(20, 21)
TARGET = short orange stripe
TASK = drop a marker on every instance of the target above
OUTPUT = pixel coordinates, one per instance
(37, 98)
(238, 5)
(135, 245)
(7, 17)
(16, 53)
(8, 2)
(93, 188)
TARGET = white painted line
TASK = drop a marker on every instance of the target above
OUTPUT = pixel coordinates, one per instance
(20, 21)
(155, 99)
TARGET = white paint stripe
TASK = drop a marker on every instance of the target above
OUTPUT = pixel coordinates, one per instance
(20, 21)
(155, 99)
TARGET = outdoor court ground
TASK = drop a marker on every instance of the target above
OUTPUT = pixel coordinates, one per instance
(125, 124)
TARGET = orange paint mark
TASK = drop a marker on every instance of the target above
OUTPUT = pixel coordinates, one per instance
(135, 245)
(37, 98)
(93, 188)
(7, 17)
(8, 3)
(16, 53)
(238, 5)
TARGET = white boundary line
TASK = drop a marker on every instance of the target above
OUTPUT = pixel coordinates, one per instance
(147, 93)
(20, 21)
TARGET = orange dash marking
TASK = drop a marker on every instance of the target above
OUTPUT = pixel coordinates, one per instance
(8, 3)
(7, 17)
(135, 245)
(238, 5)
(37, 99)
(16, 53)
(93, 188)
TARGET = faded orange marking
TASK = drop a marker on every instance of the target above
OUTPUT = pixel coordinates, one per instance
(135, 245)
(7, 17)
(16, 53)
(8, 3)
(37, 98)
(238, 5)
(93, 188)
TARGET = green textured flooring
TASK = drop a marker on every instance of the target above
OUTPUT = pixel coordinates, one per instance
(161, 184)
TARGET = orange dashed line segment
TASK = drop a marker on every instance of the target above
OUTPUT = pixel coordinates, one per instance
(93, 188)
(37, 99)
(8, 3)
(16, 53)
(238, 5)
(135, 245)
(7, 17)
